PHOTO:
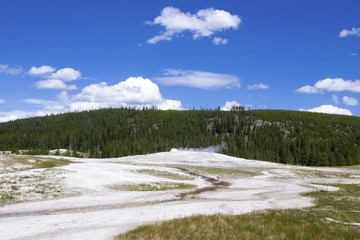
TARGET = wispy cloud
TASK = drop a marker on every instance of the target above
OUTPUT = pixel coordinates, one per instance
(335, 99)
(4, 68)
(352, 32)
(219, 41)
(198, 79)
(257, 86)
(202, 24)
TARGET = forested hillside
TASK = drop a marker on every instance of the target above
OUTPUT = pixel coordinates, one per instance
(272, 135)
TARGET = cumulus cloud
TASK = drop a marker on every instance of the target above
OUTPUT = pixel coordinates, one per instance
(54, 80)
(4, 68)
(335, 99)
(53, 84)
(330, 109)
(350, 101)
(352, 32)
(2, 101)
(43, 70)
(133, 92)
(198, 79)
(229, 105)
(202, 24)
(332, 85)
(66, 74)
(219, 41)
(257, 86)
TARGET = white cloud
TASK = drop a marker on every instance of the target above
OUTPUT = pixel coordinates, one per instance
(308, 89)
(9, 116)
(335, 99)
(332, 85)
(53, 84)
(352, 32)
(219, 41)
(133, 92)
(350, 101)
(202, 24)
(4, 68)
(257, 86)
(63, 96)
(353, 54)
(330, 109)
(36, 71)
(198, 79)
(54, 80)
(2, 101)
(66, 74)
(229, 105)
(38, 101)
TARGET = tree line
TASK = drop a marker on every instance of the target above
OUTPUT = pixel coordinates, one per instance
(292, 137)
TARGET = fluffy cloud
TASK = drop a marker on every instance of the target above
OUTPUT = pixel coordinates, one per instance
(202, 24)
(43, 70)
(219, 41)
(352, 32)
(350, 101)
(198, 79)
(54, 80)
(134, 92)
(330, 109)
(2, 101)
(229, 105)
(257, 86)
(66, 74)
(4, 68)
(53, 84)
(332, 85)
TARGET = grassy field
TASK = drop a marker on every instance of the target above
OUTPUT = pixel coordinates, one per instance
(310, 223)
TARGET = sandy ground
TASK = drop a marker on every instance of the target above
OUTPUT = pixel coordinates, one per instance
(91, 206)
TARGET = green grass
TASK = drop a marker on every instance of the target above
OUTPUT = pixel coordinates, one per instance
(309, 223)
(50, 163)
(321, 174)
(165, 174)
(158, 186)
(6, 197)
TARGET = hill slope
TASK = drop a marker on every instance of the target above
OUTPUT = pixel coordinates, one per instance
(272, 135)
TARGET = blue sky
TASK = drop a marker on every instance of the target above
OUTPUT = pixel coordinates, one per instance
(59, 56)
